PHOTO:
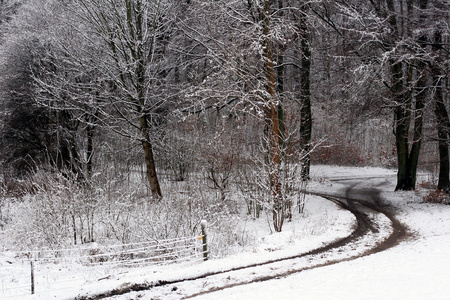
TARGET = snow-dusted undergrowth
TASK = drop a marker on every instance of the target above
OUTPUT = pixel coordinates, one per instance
(250, 241)
(117, 214)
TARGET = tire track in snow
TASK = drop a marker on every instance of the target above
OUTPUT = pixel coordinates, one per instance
(366, 226)
(369, 236)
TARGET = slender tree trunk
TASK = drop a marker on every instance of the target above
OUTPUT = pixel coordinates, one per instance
(402, 111)
(149, 160)
(280, 90)
(442, 132)
(89, 150)
(280, 108)
(281, 116)
(138, 56)
(272, 121)
(420, 99)
(74, 228)
(305, 112)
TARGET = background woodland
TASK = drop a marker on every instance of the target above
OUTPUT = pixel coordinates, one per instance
(129, 119)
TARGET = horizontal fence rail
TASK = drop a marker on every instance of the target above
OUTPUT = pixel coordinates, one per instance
(39, 271)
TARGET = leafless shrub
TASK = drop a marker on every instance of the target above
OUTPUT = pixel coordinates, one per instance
(62, 212)
(437, 196)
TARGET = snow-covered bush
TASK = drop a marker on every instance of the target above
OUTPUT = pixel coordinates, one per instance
(61, 212)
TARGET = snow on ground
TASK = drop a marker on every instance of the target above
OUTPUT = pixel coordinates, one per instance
(418, 268)
(324, 223)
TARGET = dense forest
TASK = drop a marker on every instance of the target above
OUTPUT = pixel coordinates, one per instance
(128, 118)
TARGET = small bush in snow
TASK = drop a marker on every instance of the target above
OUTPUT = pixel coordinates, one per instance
(437, 196)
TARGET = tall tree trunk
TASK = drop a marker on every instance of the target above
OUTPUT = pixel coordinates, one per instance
(408, 104)
(408, 156)
(272, 121)
(402, 113)
(305, 94)
(89, 150)
(442, 132)
(280, 90)
(135, 18)
(442, 118)
(420, 98)
(402, 110)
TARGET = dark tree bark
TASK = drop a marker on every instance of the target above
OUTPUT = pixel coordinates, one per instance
(89, 150)
(442, 118)
(407, 110)
(402, 113)
(280, 89)
(443, 137)
(305, 95)
(409, 105)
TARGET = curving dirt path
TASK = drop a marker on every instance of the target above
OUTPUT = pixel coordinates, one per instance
(377, 229)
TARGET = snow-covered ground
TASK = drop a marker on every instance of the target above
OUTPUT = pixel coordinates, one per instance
(417, 268)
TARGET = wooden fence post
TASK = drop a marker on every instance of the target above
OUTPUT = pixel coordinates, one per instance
(204, 240)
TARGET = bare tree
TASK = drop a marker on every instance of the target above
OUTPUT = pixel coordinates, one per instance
(33, 135)
(114, 70)
(135, 35)
(244, 43)
(391, 37)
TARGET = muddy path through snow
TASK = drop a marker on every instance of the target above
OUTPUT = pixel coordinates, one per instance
(376, 229)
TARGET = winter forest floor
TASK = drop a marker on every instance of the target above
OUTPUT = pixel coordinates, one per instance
(416, 266)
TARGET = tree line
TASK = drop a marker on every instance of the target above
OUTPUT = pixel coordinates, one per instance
(222, 86)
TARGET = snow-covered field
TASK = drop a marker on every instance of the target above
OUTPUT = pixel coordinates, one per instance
(417, 268)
